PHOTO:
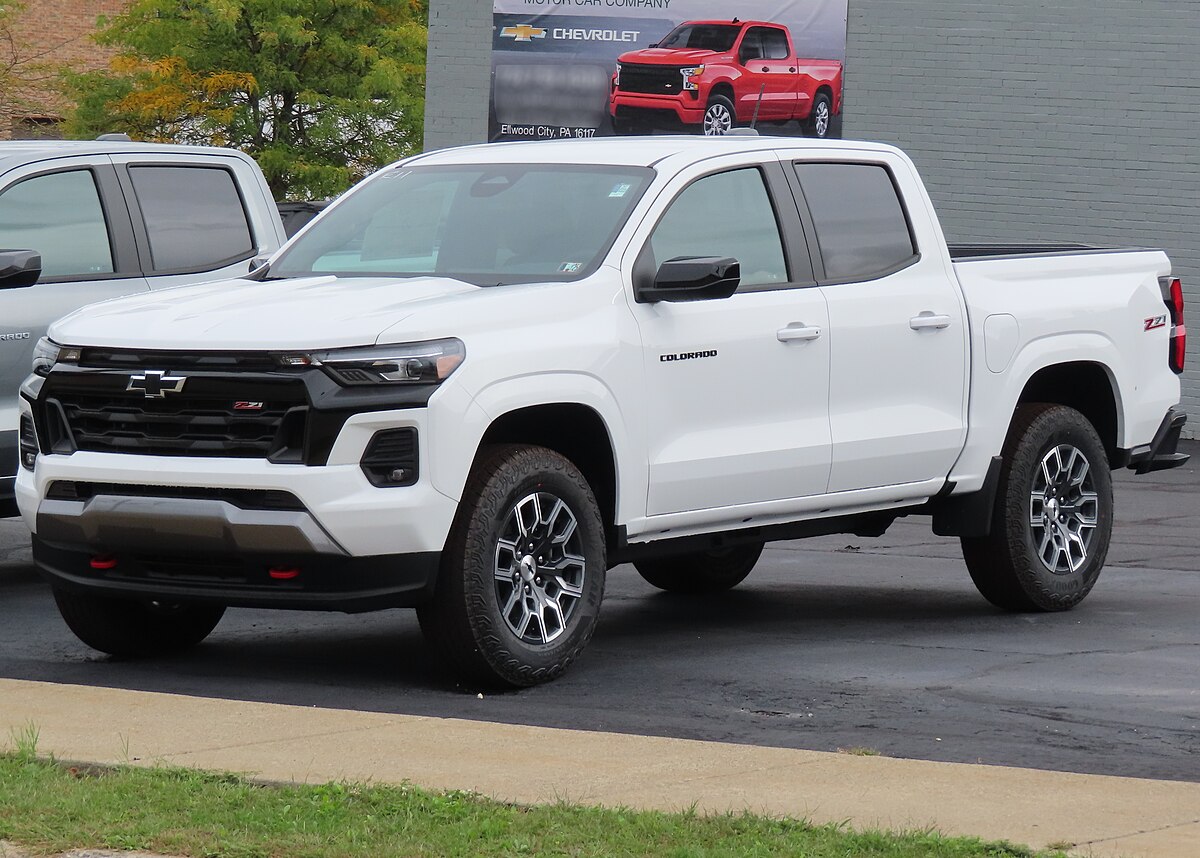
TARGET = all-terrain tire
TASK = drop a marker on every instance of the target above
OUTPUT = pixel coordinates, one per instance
(1052, 521)
(507, 558)
(133, 628)
(712, 571)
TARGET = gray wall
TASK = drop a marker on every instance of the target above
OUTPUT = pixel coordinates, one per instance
(1073, 121)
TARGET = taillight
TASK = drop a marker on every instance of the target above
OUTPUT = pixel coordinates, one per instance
(1172, 292)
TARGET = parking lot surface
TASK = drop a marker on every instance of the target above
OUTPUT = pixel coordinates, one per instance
(874, 644)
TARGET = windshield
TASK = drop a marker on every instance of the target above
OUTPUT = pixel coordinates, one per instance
(485, 224)
(704, 37)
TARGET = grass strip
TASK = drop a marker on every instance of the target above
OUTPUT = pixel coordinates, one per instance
(50, 807)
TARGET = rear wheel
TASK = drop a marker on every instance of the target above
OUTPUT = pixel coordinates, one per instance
(821, 116)
(128, 627)
(712, 571)
(522, 576)
(1053, 516)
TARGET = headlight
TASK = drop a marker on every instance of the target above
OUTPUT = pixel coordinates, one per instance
(617, 76)
(430, 362)
(688, 75)
(47, 353)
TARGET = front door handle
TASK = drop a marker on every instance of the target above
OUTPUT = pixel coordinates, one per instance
(798, 331)
(929, 320)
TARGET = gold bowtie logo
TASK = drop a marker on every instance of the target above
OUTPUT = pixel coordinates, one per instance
(523, 33)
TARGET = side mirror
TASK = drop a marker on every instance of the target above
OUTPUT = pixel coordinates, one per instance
(653, 45)
(19, 268)
(693, 278)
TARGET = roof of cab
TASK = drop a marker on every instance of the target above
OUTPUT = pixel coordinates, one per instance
(643, 151)
(15, 153)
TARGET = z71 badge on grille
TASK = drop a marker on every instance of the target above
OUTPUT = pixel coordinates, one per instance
(156, 384)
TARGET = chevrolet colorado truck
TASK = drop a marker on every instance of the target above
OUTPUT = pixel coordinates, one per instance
(718, 74)
(85, 221)
(487, 375)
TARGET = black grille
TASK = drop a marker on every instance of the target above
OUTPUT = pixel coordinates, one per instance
(391, 458)
(210, 361)
(653, 80)
(237, 418)
(258, 499)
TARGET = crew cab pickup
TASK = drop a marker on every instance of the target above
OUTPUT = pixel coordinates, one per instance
(487, 375)
(85, 221)
(718, 74)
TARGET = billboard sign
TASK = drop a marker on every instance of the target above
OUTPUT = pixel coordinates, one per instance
(587, 68)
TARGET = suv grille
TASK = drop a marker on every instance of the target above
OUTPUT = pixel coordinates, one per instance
(655, 80)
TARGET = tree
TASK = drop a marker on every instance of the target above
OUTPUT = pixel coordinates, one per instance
(320, 92)
(24, 73)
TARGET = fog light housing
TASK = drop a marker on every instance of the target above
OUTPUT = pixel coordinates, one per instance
(28, 443)
(390, 459)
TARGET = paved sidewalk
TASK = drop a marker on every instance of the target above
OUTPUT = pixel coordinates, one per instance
(1104, 816)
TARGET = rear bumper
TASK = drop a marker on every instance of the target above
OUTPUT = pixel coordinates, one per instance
(1161, 453)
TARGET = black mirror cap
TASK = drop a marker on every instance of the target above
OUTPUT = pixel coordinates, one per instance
(19, 268)
(693, 278)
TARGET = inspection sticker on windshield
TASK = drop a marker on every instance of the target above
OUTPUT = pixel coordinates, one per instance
(569, 267)
(620, 189)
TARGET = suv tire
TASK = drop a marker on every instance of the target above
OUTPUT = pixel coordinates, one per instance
(132, 628)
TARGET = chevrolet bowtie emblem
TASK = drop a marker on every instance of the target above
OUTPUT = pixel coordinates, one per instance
(156, 384)
(523, 33)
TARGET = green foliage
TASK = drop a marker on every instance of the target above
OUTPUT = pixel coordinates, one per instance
(184, 812)
(320, 92)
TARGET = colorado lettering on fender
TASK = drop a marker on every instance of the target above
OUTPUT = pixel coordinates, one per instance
(688, 356)
(22, 335)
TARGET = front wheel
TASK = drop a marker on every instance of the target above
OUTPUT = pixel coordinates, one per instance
(1053, 516)
(719, 117)
(128, 627)
(712, 571)
(522, 576)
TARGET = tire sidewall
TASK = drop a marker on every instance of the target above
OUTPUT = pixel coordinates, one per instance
(1049, 590)
(821, 98)
(728, 105)
(509, 656)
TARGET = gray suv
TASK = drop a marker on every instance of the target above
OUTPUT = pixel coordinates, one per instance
(82, 222)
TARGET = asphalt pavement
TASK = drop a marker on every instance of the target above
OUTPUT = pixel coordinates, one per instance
(840, 642)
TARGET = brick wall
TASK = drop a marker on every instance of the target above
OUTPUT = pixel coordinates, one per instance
(1072, 120)
(54, 33)
(459, 72)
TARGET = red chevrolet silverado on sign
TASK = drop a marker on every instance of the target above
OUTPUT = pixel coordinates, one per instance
(716, 74)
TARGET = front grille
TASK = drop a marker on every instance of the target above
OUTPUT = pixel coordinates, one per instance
(652, 80)
(100, 358)
(256, 499)
(214, 416)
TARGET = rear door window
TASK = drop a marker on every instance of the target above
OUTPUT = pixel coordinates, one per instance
(194, 217)
(861, 225)
(60, 216)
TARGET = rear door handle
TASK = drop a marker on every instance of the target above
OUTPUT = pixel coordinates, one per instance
(798, 331)
(929, 320)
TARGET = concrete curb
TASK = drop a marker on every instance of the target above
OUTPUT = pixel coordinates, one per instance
(1103, 816)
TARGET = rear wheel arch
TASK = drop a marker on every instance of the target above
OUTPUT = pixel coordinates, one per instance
(1086, 386)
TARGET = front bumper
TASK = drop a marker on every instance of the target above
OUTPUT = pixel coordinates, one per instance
(688, 110)
(1161, 453)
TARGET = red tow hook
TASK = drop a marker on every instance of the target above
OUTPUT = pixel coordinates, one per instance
(284, 573)
(103, 561)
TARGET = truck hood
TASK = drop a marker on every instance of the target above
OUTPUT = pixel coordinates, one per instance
(240, 315)
(669, 56)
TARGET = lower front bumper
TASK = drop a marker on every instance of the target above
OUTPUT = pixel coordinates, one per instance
(688, 111)
(1162, 452)
(321, 582)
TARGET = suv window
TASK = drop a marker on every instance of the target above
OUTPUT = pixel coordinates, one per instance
(211, 230)
(861, 225)
(726, 214)
(775, 44)
(59, 215)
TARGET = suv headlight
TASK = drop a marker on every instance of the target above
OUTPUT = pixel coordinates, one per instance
(688, 77)
(47, 353)
(617, 76)
(430, 362)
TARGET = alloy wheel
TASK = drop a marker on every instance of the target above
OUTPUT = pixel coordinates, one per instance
(1064, 509)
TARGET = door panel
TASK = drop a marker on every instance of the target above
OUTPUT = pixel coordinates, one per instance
(771, 73)
(737, 388)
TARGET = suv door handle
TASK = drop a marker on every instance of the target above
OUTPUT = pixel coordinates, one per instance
(797, 331)
(929, 320)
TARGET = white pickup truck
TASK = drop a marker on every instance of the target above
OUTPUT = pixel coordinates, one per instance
(488, 375)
